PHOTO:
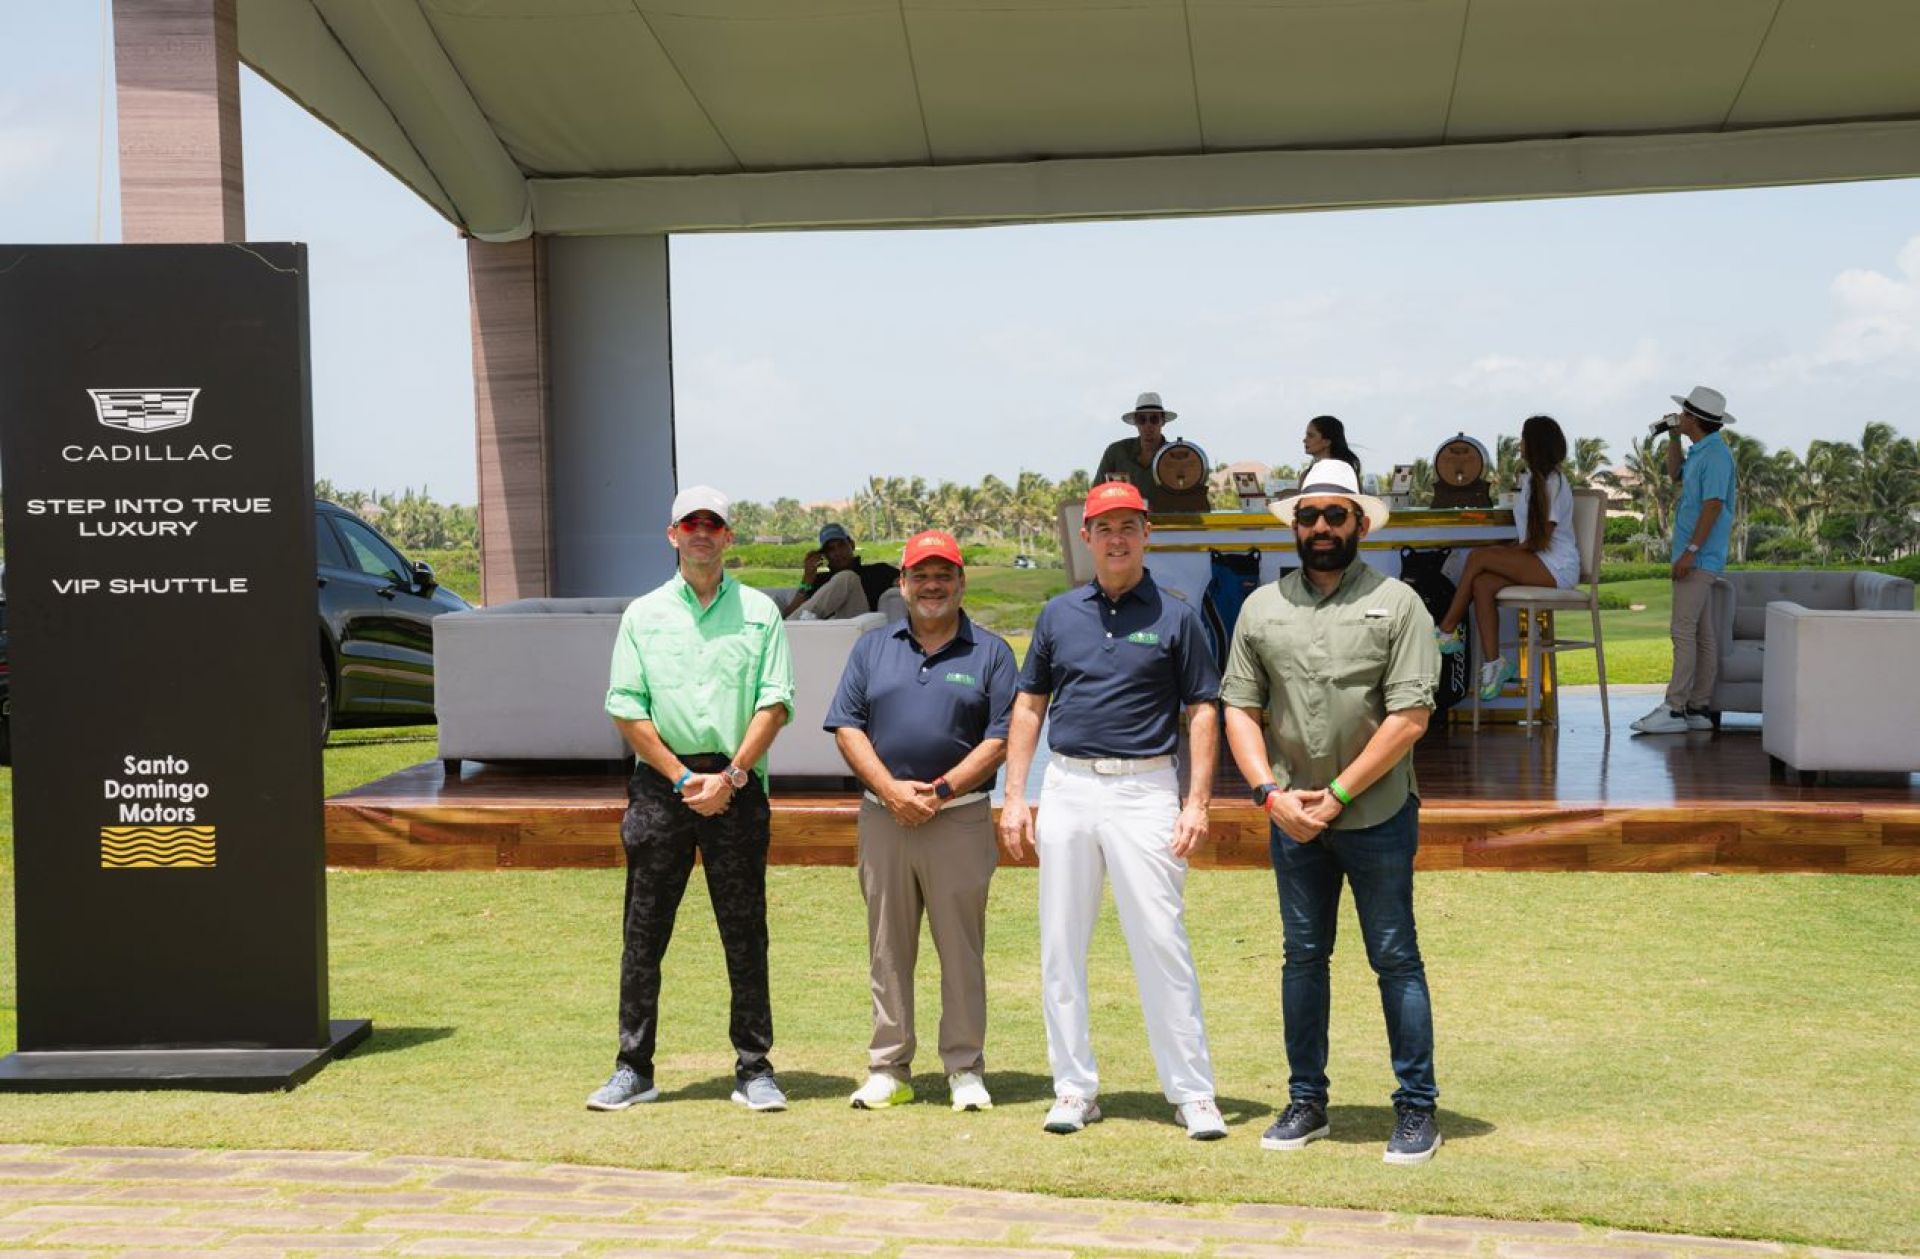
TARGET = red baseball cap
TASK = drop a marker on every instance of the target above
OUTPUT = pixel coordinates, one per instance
(931, 544)
(1113, 496)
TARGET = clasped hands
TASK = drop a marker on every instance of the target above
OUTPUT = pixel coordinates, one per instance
(1302, 815)
(910, 801)
(709, 795)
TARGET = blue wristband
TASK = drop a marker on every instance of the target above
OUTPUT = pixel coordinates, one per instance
(681, 781)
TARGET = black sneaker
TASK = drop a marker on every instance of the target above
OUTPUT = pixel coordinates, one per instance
(1414, 1138)
(1299, 1124)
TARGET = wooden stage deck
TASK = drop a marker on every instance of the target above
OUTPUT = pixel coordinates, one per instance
(1566, 799)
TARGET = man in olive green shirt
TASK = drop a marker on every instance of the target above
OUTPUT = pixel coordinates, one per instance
(1340, 663)
(701, 682)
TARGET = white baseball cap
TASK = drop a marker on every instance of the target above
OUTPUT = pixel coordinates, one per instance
(699, 498)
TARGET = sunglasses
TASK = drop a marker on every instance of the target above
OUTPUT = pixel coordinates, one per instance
(701, 524)
(1308, 517)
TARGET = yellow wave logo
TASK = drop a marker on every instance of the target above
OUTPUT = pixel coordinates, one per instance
(136, 847)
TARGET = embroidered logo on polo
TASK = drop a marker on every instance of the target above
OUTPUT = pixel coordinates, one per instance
(963, 679)
(1145, 638)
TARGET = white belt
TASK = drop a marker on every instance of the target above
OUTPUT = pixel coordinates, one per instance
(969, 798)
(1117, 764)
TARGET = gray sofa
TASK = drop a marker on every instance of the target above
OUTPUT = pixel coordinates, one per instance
(528, 681)
(1740, 602)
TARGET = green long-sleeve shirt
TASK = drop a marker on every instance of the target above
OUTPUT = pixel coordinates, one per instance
(699, 674)
(1328, 671)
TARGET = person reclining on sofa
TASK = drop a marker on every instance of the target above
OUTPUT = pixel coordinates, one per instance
(848, 588)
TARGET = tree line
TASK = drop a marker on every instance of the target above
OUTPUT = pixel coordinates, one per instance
(1840, 502)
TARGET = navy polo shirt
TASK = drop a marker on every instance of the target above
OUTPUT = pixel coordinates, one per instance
(923, 713)
(1120, 672)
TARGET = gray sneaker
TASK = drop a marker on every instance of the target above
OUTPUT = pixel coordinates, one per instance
(623, 1089)
(762, 1092)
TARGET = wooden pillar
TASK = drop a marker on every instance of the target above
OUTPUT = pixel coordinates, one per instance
(507, 285)
(177, 69)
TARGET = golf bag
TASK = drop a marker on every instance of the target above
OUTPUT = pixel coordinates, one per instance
(1420, 567)
(1236, 574)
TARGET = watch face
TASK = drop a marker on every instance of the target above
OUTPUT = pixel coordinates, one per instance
(736, 777)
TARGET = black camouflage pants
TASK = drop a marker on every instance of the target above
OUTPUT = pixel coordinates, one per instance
(661, 834)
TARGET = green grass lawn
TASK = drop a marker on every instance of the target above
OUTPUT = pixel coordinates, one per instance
(1722, 1055)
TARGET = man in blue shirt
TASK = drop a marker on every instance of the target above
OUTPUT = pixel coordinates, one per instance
(1120, 660)
(921, 718)
(1702, 522)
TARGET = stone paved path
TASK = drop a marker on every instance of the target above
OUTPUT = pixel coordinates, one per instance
(252, 1204)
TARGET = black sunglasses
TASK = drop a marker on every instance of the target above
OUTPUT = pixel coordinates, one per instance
(1308, 517)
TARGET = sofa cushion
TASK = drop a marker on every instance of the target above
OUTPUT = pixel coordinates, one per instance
(1753, 590)
(1745, 663)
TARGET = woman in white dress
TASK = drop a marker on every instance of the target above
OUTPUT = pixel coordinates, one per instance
(1546, 554)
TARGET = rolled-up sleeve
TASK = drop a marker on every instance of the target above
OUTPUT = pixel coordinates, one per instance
(776, 669)
(1245, 683)
(628, 696)
(1413, 660)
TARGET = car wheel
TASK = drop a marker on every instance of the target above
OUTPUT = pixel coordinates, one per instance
(326, 701)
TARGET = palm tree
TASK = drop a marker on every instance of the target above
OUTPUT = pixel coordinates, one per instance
(1506, 465)
(1586, 460)
(1654, 492)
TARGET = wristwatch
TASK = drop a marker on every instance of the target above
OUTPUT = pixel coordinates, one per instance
(1263, 791)
(942, 788)
(735, 776)
(1692, 547)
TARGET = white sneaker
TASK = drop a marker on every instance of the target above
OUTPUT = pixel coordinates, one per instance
(881, 1091)
(969, 1091)
(1071, 1113)
(1698, 720)
(1662, 721)
(1202, 1119)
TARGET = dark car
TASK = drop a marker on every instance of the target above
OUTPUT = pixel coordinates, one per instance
(376, 625)
(376, 629)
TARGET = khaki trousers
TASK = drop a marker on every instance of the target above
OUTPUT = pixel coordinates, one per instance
(843, 596)
(941, 867)
(1696, 647)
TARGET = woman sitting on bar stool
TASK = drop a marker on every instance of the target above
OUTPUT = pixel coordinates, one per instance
(1547, 554)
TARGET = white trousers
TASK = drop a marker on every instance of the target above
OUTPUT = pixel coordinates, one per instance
(1091, 825)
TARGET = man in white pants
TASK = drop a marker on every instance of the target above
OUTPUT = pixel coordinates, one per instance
(1119, 659)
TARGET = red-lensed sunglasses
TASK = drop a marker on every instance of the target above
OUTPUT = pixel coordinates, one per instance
(701, 524)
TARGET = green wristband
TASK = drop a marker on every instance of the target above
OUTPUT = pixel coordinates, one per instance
(1339, 792)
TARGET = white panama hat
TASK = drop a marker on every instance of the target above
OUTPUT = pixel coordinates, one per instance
(1333, 477)
(1706, 404)
(1148, 401)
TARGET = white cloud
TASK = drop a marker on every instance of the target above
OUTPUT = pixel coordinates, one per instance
(27, 152)
(1585, 379)
(1878, 315)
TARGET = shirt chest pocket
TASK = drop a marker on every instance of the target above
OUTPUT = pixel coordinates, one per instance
(1360, 659)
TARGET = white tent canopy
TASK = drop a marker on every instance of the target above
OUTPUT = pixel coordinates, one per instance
(573, 117)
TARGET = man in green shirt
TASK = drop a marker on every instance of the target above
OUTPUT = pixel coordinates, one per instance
(1340, 662)
(1131, 459)
(701, 682)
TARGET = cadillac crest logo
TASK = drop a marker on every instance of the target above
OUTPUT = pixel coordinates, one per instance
(144, 410)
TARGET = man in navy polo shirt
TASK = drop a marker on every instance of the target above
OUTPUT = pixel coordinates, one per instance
(1120, 660)
(921, 717)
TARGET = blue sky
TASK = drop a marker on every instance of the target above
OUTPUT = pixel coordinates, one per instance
(831, 356)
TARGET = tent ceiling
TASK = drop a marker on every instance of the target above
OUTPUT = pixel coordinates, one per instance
(650, 115)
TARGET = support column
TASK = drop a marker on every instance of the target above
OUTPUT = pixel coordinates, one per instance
(507, 286)
(177, 70)
(612, 451)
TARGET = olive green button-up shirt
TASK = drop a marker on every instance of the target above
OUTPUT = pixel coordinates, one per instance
(1328, 671)
(699, 674)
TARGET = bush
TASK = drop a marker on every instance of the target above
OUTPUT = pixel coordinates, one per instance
(1623, 529)
(1642, 571)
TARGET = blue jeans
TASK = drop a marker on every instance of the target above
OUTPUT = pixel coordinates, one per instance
(1378, 861)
